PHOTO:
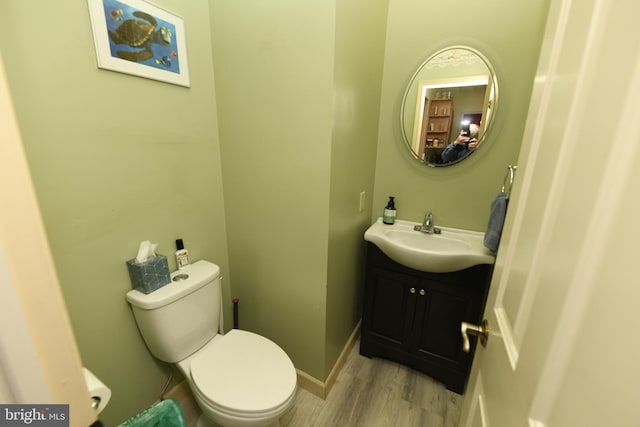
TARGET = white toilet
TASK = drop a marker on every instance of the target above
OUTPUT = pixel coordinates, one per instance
(239, 379)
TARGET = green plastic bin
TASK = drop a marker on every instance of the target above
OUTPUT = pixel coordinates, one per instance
(167, 413)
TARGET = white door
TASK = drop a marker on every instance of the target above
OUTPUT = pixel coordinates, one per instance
(564, 348)
(39, 359)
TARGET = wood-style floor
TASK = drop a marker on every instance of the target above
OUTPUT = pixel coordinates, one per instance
(376, 393)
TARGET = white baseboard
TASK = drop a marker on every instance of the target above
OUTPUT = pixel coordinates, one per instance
(322, 389)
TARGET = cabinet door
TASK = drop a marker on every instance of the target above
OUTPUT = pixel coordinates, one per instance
(440, 311)
(390, 309)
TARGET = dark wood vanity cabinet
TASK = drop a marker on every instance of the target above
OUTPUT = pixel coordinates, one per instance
(413, 317)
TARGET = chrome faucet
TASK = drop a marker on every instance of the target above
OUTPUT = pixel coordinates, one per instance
(427, 225)
(428, 221)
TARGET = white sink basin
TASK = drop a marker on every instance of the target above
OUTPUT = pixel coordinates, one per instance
(452, 250)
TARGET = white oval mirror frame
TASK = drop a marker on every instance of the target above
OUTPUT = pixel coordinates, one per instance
(454, 85)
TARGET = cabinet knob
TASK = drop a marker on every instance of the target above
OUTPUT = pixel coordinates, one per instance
(412, 290)
(422, 292)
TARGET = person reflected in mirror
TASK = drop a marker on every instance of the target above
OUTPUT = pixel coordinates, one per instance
(462, 146)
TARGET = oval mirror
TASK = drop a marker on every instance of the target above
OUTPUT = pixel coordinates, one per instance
(453, 92)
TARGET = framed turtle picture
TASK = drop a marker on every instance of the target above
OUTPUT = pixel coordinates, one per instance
(139, 38)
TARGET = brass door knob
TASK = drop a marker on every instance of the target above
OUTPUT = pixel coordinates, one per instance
(481, 331)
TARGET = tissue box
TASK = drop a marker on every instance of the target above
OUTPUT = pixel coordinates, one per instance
(149, 275)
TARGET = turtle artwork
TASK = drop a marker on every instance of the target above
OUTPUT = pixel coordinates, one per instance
(141, 34)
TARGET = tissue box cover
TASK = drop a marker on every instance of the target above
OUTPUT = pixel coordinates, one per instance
(149, 275)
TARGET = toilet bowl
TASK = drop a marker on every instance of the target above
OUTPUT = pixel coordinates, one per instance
(239, 379)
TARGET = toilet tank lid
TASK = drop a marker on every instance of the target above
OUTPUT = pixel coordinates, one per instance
(200, 273)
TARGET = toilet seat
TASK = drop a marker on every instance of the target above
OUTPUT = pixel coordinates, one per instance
(244, 374)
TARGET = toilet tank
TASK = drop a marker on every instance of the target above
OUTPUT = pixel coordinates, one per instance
(179, 318)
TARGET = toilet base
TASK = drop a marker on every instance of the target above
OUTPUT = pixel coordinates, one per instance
(203, 421)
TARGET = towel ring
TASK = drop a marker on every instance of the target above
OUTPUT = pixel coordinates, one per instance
(508, 180)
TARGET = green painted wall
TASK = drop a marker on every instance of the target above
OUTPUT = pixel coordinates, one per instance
(359, 52)
(273, 64)
(509, 34)
(116, 159)
(298, 94)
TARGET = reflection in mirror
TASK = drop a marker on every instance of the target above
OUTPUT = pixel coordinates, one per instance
(456, 85)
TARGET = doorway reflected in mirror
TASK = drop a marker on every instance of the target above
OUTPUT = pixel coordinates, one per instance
(453, 85)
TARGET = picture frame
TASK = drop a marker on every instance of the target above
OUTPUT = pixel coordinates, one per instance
(139, 38)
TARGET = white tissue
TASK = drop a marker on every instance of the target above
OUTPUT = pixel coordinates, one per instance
(146, 251)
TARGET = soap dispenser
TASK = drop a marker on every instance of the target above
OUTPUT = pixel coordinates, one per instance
(389, 216)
